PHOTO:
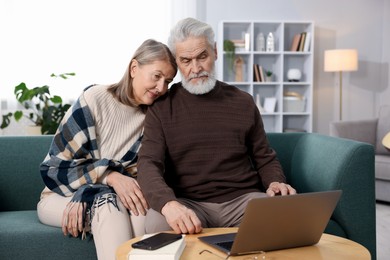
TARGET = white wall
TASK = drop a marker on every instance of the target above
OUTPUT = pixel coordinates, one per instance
(384, 94)
(93, 38)
(96, 38)
(360, 24)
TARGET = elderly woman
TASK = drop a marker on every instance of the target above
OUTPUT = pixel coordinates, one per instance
(90, 170)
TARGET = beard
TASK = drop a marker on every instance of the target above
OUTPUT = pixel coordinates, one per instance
(201, 87)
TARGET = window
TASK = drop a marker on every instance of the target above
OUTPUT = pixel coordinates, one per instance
(93, 38)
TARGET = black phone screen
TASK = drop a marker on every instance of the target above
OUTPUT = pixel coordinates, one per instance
(156, 241)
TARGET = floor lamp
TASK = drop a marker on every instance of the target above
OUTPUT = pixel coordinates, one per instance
(339, 61)
(386, 141)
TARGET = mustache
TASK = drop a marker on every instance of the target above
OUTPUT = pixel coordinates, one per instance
(198, 75)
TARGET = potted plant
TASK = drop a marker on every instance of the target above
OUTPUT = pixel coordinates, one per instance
(42, 108)
(229, 48)
(268, 75)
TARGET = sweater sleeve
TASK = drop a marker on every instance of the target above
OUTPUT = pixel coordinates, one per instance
(151, 165)
(264, 157)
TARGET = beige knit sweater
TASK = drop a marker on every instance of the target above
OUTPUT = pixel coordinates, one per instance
(117, 125)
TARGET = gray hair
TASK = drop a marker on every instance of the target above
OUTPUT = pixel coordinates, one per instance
(190, 27)
(149, 52)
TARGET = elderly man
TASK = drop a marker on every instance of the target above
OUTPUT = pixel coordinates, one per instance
(205, 151)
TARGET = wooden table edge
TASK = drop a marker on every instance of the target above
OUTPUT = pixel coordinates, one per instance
(322, 249)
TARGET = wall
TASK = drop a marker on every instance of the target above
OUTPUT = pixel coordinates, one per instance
(82, 37)
(338, 24)
(93, 38)
(384, 95)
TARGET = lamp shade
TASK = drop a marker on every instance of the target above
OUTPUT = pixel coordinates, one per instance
(341, 60)
(386, 141)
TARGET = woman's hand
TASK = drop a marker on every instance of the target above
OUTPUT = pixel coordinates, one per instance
(128, 192)
(72, 218)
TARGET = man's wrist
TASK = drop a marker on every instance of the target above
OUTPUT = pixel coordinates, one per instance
(167, 205)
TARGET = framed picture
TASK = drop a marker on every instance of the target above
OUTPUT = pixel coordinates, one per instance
(269, 104)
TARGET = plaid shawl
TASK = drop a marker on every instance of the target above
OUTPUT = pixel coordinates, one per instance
(73, 164)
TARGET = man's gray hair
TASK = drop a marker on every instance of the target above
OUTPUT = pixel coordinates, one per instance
(190, 27)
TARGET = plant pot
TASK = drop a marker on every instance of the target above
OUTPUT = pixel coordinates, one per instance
(33, 130)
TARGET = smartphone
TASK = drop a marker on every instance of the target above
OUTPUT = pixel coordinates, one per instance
(156, 241)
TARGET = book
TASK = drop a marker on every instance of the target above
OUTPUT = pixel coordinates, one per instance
(307, 42)
(172, 251)
(302, 41)
(256, 72)
(295, 42)
(247, 41)
(262, 76)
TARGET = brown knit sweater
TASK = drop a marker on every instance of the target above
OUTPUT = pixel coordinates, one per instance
(209, 147)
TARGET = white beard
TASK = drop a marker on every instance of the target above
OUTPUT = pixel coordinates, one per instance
(201, 87)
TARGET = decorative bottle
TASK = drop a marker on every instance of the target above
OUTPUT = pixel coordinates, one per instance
(270, 42)
(260, 42)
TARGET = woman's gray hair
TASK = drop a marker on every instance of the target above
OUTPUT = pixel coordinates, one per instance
(149, 52)
(190, 27)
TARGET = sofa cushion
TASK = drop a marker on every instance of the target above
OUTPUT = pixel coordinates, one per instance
(20, 180)
(21, 235)
(382, 190)
(334, 228)
(382, 167)
(382, 129)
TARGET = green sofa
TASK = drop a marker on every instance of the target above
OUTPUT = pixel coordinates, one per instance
(314, 162)
(22, 236)
(311, 162)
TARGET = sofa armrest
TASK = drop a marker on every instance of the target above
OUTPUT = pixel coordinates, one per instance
(20, 180)
(359, 130)
(314, 162)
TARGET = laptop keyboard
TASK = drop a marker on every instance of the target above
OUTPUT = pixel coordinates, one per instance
(227, 245)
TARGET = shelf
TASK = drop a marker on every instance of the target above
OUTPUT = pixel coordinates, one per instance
(279, 61)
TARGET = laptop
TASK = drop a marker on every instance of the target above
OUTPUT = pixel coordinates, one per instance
(280, 222)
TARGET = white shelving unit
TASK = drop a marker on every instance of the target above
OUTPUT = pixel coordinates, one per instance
(279, 62)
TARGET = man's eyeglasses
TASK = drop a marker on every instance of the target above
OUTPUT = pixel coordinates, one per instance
(259, 256)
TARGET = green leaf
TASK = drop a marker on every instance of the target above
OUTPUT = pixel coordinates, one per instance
(56, 99)
(63, 75)
(21, 91)
(6, 120)
(18, 115)
(228, 46)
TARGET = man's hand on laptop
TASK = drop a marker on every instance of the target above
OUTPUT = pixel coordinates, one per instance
(280, 188)
(181, 219)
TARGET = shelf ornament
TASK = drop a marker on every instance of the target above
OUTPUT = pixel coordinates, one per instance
(238, 67)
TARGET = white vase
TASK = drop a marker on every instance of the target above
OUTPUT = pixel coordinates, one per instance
(270, 42)
(260, 42)
(294, 75)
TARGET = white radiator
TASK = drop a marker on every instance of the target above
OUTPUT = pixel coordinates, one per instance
(15, 128)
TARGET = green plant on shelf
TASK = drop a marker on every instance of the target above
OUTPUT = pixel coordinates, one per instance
(229, 49)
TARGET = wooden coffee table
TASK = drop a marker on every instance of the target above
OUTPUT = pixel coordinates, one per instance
(329, 247)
